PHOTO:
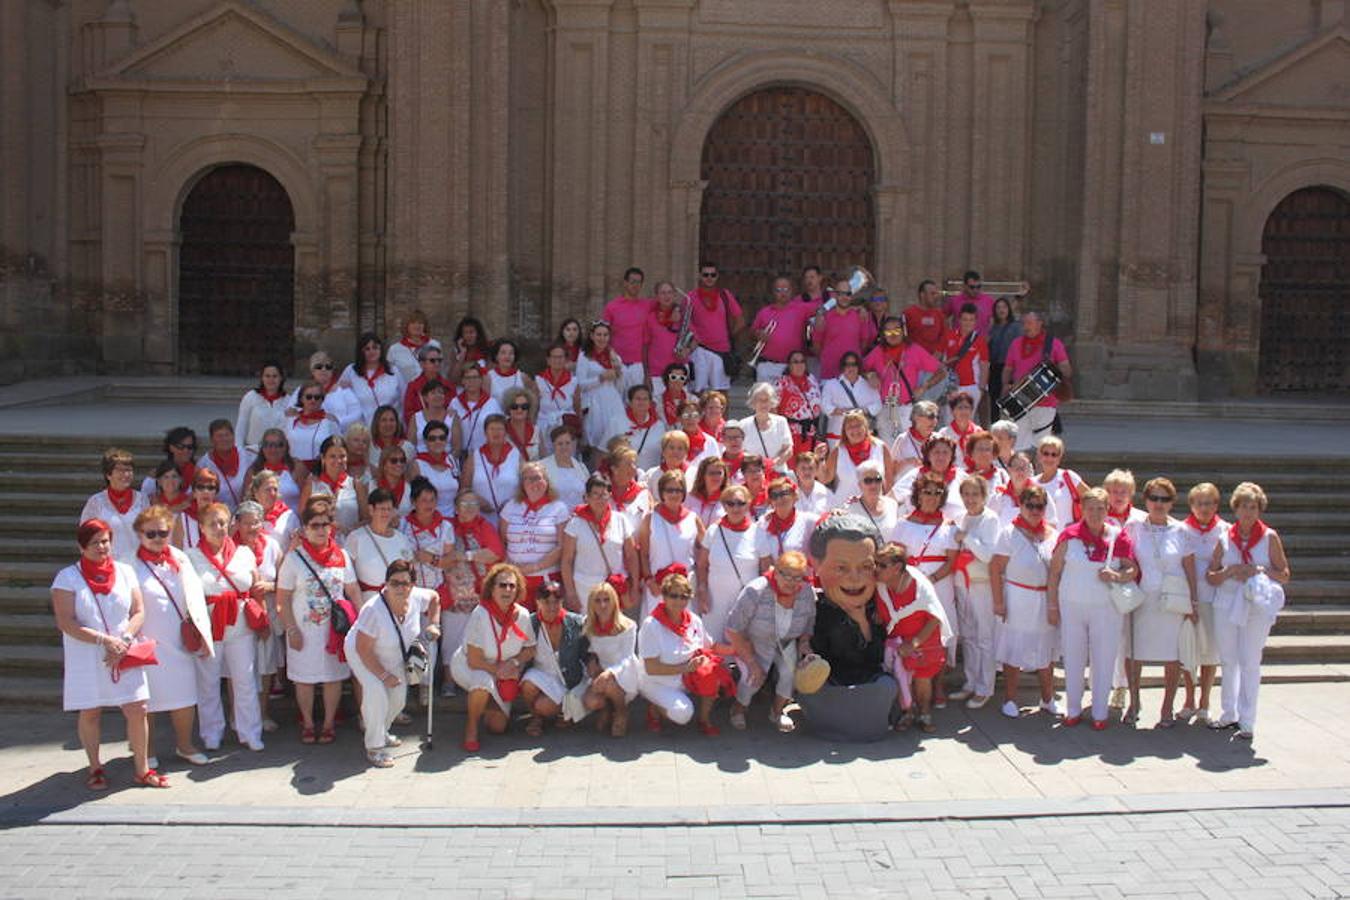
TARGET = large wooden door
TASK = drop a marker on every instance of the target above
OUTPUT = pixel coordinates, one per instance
(236, 273)
(1305, 293)
(790, 175)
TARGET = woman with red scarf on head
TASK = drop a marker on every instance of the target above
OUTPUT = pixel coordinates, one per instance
(349, 494)
(705, 498)
(1064, 487)
(855, 447)
(403, 354)
(498, 645)
(962, 424)
(180, 450)
(99, 612)
(262, 407)
(228, 462)
(672, 644)
(727, 560)
(371, 379)
(599, 377)
(1248, 556)
(668, 538)
(1089, 558)
(939, 457)
(1204, 527)
(1019, 576)
(598, 546)
(559, 403)
(520, 428)
(493, 470)
(311, 428)
(629, 497)
(178, 620)
(930, 536)
(118, 504)
(473, 547)
(531, 529)
(313, 578)
(799, 401)
(783, 527)
(228, 572)
(205, 491)
(267, 553)
(275, 456)
(280, 522)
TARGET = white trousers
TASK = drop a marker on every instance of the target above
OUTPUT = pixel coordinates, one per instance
(452, 634)
(380, 704)
(235, 659)
(1034, 426)
(783, 663)
(676, 704)
(632, 374)
(975, 606)
(709, 373)
(1089, 636)
(1240, 648)
(769, 372)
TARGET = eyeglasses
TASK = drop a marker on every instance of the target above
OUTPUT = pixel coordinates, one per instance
(784, 575)
(468, 503)
(1157, 498)
(326, 523)
(782, 290)
(734, 504)
(893, 332)
(1033, 505)
(781, 493)
(932, 493)
(397, 460)
(326, 366)
(437, 360)
(520, 406)
(273, 445)
(918, 415)
(185, 446)
(677, 376)
(312, 397)
(679, 596)
(156, 534)
(708, 274)
(399, 583)
(871, 479)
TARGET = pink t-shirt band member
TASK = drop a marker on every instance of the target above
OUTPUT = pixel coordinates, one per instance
(627, 314)
(971, 293)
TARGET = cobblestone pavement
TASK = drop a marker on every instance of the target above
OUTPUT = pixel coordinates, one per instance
(1273, 853)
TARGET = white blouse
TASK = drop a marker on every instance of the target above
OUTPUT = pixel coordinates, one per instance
(532, 535)
(256, 415)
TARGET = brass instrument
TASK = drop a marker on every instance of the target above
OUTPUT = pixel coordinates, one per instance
(684, 344)
(993, 288)
(759, 345)
(859, 280)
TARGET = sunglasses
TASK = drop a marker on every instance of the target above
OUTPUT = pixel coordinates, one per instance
(312, 397)
(326, 366)
(871, 479)
(933, 493)
(156, 534)
(1156, 498)
(186, 446)
(520, 406)
(734, 504)
(397, 460)
(1033, 505)
(708, 274)
(677, 376)
(680, 596)
(780, 494)
(327, 523)
(435, 359)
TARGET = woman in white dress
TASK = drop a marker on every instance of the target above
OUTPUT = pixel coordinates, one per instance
(520, 429)
(503, 376)
(962, 424)
(118, 504)
(227, 572)
(552, 688)
(1248, 549)
(339, 403)
(280, 522)
(473, 547)
(311, 427)
(471, 408)
(371, 379)
(855, 448)
(976, 534)
(784, 527)
(1027, 636)
(629, 497)
(378, 543)
(668, 538)
(275, 457)
(263, 407)
(728, 560)
(928, 536)
(99, 612)
(312, 578)
(670, 643)
(847, 392)
(565, 472)
(390, 474)
(377, 650)
(402, 354)
(766, 432)
(599, 378)
(598, 546)
(643, 428)
(705, 495)
(228, 462)
(386, 430)
(493, 470)
(531, 528)
(175, 609)
(205, 491)
(1089, 558)
(435, 397)
(907, 448)
(612, 676)
(270, 651)
(440, 468)
(1064, 487)
(558, 400)
(347, 492)
(1119, 486)
(498, 646)
(1204, 527)
(871, 503)
(1166, 560)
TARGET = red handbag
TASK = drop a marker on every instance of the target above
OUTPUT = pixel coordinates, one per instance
(508, 688)
(255, 616)
(140, 653)
(711, 677)
(191, 636)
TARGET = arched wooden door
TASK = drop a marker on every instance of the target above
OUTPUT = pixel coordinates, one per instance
(236, 273)
(790, 176)
(1305, 293)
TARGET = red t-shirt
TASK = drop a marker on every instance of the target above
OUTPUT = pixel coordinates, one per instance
(965, 366)
(926, 328)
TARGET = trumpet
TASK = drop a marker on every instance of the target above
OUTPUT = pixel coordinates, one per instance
(993, 288)
(759, 345)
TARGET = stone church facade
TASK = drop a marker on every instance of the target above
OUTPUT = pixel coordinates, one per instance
(1172, 176)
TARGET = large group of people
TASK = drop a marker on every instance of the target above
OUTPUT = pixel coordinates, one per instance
(432, 520)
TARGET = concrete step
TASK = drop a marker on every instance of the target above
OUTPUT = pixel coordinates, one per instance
(30, 629)
(30, 692)
(36, 548)
(1319, 648)
(31, 660)
(28, 599)
(1321, 567)
(67, 503)
(1317, 591)
(1327, 618)
(29, 573)
(149, 446)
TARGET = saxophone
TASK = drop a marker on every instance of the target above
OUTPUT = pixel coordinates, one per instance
(684, 344)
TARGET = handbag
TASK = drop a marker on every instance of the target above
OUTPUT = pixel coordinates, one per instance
(1176, 595)
(340, 615)
(1125, 596)
(139, 652)
(508, 689)
(188, 632)
(255, 616)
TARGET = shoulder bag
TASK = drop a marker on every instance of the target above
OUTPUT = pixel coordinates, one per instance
(341, 615)
(188, 632)
(1125, 596)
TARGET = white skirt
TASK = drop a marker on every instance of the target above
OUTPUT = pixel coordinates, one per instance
(173, 683)
(1025, 640)
(475, 679)
(312, 663)
(1156, 632)
(1208, 643)
(88, 683)
(604, 416)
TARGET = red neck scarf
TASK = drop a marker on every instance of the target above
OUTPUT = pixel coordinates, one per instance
(121, 500)
(732, 526)
(536, 505)
(772, 578)
(662, 615)
(600, 522)
(712, 431)
(372, 375)
(522, 443)
(648, 422)
(227, 549)
(697, 441)
(986, 474)
(556, 383)
(893, 355)
(923, 518)
(503, 619)
(278, 466)
(709, 298)
(1235, 535)
(622, 498)
(1122, 517)
(413, 344)
(1192, 521)
(779, 526)
(605, 629)
(604, 358)
(505, 373)
(671, 402)
(1095, 544)
(418, 528)
(917, 438)
(178, 502)
(801, 382)
(162, 558)
(550, 623)
(960, 434)
(439, 460)
(673, 518)
(1033, 346)
(100, 576)
(500, 455)
(733, 463)
(470, 406)
(227, 465)
(310, 418)
(259, 547)
(275, 512)
(270, 398)
(335, 484)
(382, 443)
(329, 555)
(667, 317)
(1038, 531)
(396, 491)
(858, 452)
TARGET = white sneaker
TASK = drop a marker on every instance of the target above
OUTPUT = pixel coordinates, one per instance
(963, 694)
(1049, 706)
(255, 746)
(1010, 709)
(738, 719)
(977, 701)
(783, 721)
(196, 757)
(269, 725)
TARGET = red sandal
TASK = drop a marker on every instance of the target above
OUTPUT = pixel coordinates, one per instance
(153, 779)
(307, 735)
(327, 736)
(97, 780)
(653, 721)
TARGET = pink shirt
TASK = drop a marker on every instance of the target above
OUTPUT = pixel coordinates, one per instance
(628, 326)
(1017, 365)
(915, 362)
(790, 332)
(710, 325)
(661, 342)
(984, 306)
(840, 331)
